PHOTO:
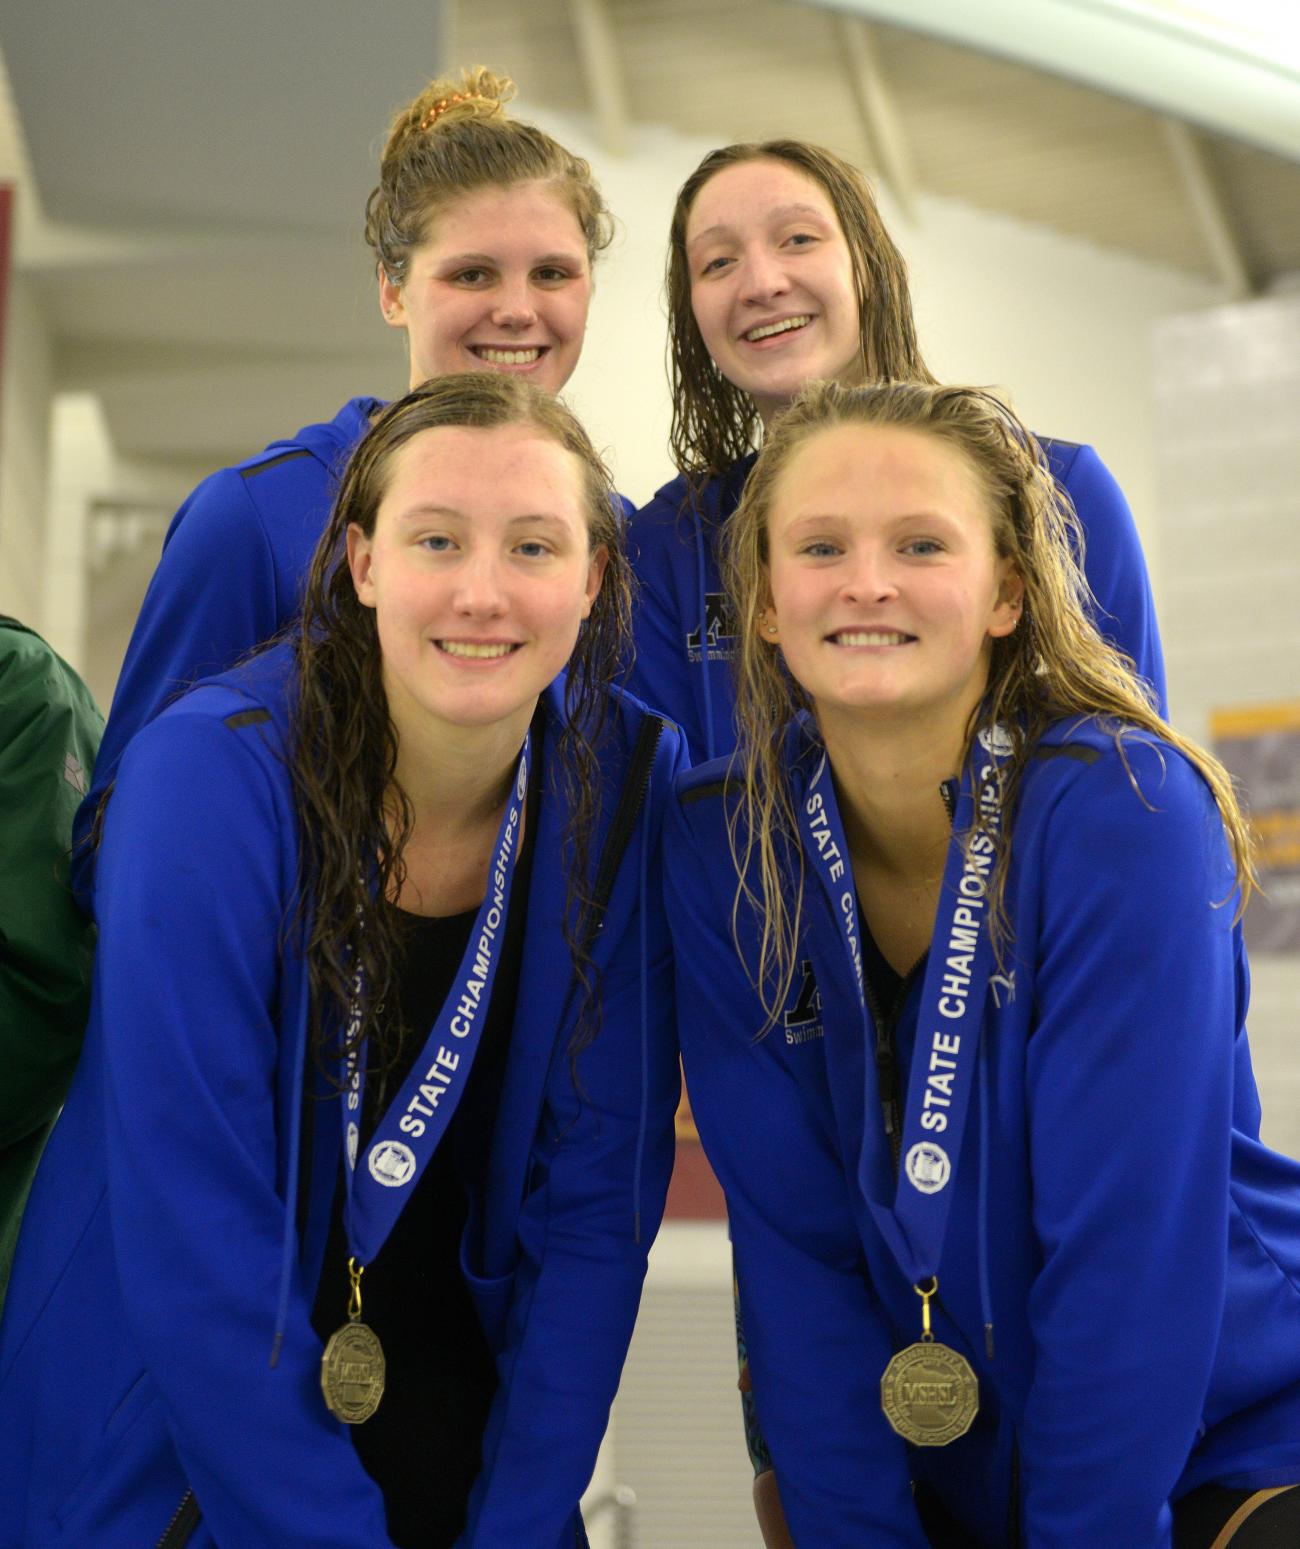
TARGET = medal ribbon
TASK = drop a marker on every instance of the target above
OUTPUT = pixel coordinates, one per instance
(417, 1118)
(952, 1003)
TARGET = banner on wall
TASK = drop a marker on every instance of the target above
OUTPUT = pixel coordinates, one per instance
(1260, 745)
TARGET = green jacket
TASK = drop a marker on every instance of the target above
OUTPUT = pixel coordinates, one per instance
(49, 732)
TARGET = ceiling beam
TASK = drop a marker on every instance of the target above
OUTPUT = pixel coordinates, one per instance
(878, 111)
(1245, 85)
(606, 90)
(1211, 215)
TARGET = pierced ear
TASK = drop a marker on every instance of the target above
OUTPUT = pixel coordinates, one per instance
(766, 625)
(1010, 605)
(360, 554)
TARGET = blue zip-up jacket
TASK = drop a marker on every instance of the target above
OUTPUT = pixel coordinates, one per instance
(177, 1225)
(685, 633)
(1116, 1219)
(230, 577)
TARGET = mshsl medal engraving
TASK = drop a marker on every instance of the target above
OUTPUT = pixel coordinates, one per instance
(929, 1394)
(352, 1373)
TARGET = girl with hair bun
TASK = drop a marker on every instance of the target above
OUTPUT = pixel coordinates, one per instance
(781, 273)
(484, 231)
(339, 1239)
(962, 1000)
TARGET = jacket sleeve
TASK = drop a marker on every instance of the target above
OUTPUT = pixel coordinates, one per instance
(213, 598)
(49, 732)
(599, 1176)
(1116, 568)
(661, 674)
(817, 1340)
(1129, 1090)
(194, 891)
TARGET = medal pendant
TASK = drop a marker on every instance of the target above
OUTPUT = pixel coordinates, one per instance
(929, 1394)
(352, 1372)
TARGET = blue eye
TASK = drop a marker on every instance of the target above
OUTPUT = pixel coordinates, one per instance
(436, 543)
(923, 547)
(821, 548)
(713, 265)
(533, 548)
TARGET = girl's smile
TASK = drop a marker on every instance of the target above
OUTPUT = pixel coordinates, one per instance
(772, 286)
(479, 584)
(885, 588)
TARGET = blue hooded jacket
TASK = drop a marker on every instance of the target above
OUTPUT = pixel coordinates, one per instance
(685, 635)
(1116, 1220)
(231, 574)
(176, 1228)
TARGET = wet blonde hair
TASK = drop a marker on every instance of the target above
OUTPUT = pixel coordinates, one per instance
(456, 137)
(1054, 665)
(714, 423)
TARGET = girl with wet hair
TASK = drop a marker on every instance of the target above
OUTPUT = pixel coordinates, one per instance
(781, 273)
(962, 1003)
(484, 231)
(340, 1238)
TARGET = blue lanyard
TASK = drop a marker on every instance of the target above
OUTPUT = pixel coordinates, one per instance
(417, 1118)
(952, 1001)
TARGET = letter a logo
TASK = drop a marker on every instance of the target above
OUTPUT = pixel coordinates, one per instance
(719, 630)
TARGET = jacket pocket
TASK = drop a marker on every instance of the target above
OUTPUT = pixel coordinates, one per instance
(491, 1298)
(125, 1412)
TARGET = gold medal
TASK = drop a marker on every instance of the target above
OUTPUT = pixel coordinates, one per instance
(352, 1367)
(352, 1373)
(928, 1392)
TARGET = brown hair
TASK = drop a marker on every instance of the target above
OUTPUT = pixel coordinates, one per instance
(1054, 665)
(456, 137)
(714, 423)
(354, 818)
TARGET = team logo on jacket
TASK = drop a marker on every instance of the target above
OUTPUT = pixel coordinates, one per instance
(719, 630)
(803, 1018)
(391, 1163)
(927, 1167)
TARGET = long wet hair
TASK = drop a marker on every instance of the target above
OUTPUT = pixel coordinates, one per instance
(354, 818)
(1054, 665)
(714, 423)
(454, 138)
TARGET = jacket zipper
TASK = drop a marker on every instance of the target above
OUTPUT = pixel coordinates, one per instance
(620, 829)
(1013, 1505)
(184, 1520)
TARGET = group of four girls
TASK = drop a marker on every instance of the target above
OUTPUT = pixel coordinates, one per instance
(340, 1238)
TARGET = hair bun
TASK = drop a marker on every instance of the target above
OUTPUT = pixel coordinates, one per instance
(456, 137)
(478, 93)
